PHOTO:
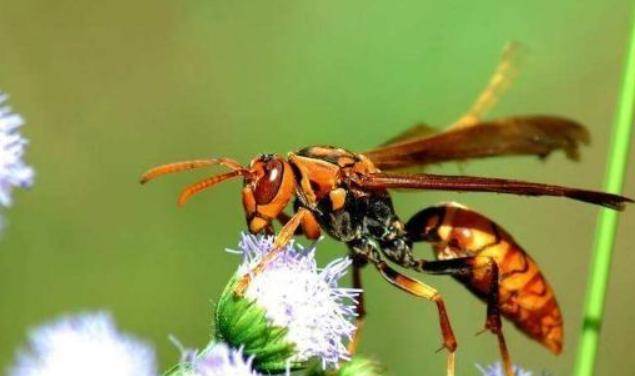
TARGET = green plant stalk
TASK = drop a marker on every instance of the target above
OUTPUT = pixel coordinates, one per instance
(608, 220)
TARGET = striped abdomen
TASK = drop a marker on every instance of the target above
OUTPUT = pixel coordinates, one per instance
(525, 297)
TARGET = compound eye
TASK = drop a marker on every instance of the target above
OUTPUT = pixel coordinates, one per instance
(268, 185)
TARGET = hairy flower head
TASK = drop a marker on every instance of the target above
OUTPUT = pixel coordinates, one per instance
(85, 344)
(217, 359)
(497, 369)
(291, 312)
(13, 171)
(357, 366)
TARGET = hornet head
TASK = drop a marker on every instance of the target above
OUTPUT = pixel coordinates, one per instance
(268, 185)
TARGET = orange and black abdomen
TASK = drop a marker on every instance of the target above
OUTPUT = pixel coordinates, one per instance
(525, 296)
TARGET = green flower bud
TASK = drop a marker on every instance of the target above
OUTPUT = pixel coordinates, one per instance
(241, 323)
(291, 313)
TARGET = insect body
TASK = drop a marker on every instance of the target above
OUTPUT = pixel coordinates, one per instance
(347, 195)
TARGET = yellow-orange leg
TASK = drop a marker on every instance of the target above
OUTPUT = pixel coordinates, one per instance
(483, 268)
(283, 237)
(309, 226)
(311, 230)
(507, 362)
(421, 290)
(358, 264)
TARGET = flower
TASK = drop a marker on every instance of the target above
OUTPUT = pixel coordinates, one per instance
(291, 312)
(496, 369)
(358, 366)
(80, 345)
(217, 359)
(13, 171)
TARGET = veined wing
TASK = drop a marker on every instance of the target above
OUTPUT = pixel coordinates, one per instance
(521, 135)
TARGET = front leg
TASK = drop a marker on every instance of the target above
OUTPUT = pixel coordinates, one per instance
(284, 236)
(309, 226)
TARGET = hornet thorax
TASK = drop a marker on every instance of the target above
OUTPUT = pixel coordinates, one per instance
(325, 185)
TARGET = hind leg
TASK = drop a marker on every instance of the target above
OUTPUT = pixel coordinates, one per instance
(474, 269)
(493, 319)
(422, 290)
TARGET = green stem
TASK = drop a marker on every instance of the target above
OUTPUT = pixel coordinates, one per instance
(607, 221)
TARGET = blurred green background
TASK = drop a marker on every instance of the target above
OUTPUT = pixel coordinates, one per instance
(111, 88)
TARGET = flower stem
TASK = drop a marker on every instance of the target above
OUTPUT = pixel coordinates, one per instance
(608, 219)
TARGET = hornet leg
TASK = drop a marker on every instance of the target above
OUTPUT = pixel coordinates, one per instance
(309, 226)
(481, 268)
(284, 236)
(493, 320)
(419, 289)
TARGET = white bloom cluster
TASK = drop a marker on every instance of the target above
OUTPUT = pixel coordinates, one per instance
(13, 171)
(81, 345)
(218, 360)
(302, 298)
(496, 369)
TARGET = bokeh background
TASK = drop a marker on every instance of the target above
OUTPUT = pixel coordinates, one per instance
(111, 88)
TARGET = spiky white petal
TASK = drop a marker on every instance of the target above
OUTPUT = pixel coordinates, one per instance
(496, 369)
(218, 360)
(306, 300)
(13, 170)
(81, 345)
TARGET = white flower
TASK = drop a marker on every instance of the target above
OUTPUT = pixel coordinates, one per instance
(13, 171)
(496, 369)
(296, 295)
(217, 360)
(82, 345)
